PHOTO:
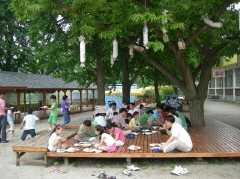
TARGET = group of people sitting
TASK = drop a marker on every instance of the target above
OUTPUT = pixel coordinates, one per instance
(108, 133)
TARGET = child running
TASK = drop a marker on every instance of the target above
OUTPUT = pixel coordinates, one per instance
(30, 121)
(55, 140)
(134, 123)
(107, 142)
(116, 133)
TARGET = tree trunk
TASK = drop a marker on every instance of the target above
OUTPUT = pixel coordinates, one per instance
(158, 100)
(126, 86)
(175, 88)
(196, 107)
(100, 83)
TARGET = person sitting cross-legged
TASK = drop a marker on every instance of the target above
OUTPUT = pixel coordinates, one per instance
(86, 132)
(179, 137)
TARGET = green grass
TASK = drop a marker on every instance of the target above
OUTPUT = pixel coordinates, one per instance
(99, 166)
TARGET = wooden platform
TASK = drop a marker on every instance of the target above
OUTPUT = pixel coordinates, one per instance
(216, 139)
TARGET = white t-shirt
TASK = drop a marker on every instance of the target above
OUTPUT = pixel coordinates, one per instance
(30, 121)
(133, 110)
(110, 112)
(180, 134)
(51, 140)
(178, 120)
(100, 120)
(108, 140)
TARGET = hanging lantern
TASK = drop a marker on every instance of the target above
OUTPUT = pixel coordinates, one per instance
(131, 50)
(164, 31)
(112, 61)
(138, 48)
(115, 48)
(213, 24)
(165, 38)
(181, 44)
(82, 51)
(145, 36)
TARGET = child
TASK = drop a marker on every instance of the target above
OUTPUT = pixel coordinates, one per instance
(141, 109)
(128, 118)
(55, 141)
(52, 121)
(135, 123)
(29, 124)
(100, 120)
(116, 133)
(10, 122)
(114, 114)
(107, 142)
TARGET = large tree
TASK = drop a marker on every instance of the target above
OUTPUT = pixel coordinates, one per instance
(14, 47)
(109, 19)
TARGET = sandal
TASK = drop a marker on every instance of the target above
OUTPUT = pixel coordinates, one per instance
(102, 175)
(131, 167)
(112, 177)
(127, 172)
(93, 173)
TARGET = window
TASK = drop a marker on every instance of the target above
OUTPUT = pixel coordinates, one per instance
(219, 82)
(229, 78)
(237, 72)
(212, 83)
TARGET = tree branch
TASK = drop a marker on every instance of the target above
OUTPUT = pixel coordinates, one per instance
(91, 68)
(65, 6)
(199, 31)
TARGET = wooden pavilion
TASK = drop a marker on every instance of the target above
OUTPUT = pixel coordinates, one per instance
(20, 85)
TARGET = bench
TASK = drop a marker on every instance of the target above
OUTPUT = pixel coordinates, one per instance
(38, 144)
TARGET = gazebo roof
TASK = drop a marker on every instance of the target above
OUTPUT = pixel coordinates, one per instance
(9, 80)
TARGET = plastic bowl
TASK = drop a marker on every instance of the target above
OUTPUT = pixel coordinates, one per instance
(156, 150)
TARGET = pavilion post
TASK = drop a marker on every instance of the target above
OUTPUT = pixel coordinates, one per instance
(71, 96)
(80, 91)
(93, 103)
(86, 98)
(18, 105)
(24, 100)
(59, 104)
(44, 102)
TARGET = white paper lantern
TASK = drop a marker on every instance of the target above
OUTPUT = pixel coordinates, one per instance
(112, 61)
(115, 48)
(82, 51)
(145, 36)
(181, 44)
(138, 48)
(213, 24)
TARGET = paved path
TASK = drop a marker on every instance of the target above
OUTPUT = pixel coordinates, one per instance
(226, 112)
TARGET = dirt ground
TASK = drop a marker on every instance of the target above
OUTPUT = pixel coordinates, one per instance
(82, 168)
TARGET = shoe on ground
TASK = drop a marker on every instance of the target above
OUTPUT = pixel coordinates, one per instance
(4, 141)
(127, 172)
(132, 167)
(183, 170)
(102, 175)
(176, 171)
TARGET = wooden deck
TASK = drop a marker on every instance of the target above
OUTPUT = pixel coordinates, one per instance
(216, 139)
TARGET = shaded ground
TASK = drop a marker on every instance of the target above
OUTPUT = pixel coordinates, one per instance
(150, 168)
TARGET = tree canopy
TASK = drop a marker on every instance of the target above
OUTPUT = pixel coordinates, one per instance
(180, 20)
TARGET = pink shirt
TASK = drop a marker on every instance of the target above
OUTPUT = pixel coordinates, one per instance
(2, 105)
(118, 131)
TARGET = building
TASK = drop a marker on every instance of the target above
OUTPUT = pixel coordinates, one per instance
(227, 87)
